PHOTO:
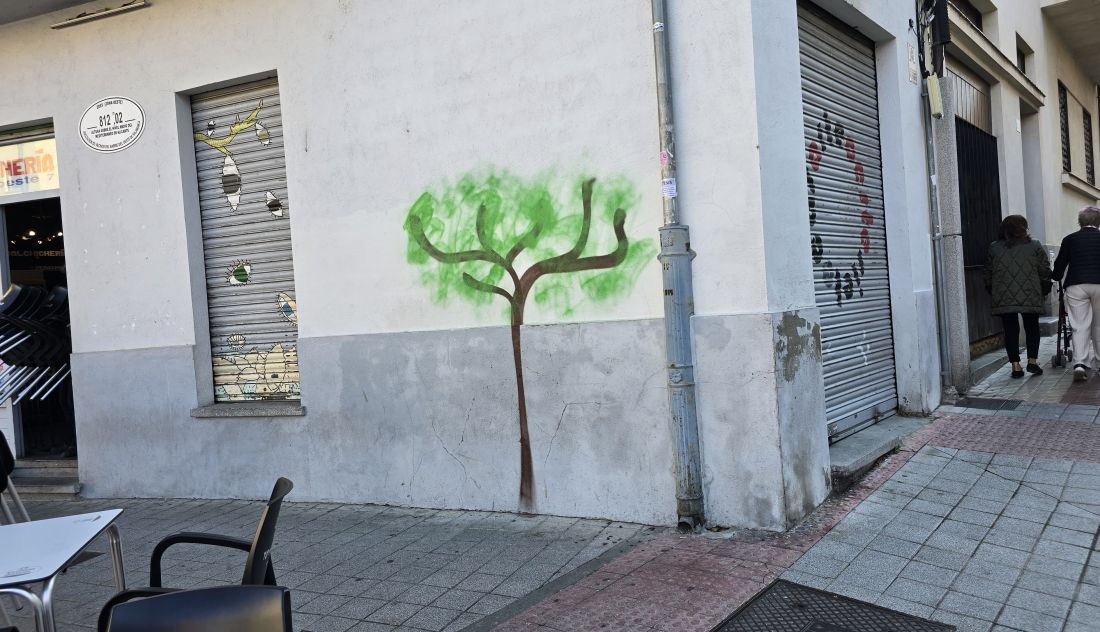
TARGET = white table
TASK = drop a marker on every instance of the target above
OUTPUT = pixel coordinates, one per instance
(36, 552)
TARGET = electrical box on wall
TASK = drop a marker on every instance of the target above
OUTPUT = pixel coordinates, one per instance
(935, 97)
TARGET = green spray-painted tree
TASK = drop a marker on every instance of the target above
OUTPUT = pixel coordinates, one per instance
(473, 239)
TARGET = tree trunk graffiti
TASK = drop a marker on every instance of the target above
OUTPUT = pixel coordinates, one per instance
(522, 284)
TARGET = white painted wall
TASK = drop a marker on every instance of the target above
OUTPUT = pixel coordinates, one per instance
(368, 92)
(381, 101)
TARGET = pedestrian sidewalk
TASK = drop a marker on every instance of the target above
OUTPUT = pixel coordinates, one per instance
(364, 568)
(986, 519)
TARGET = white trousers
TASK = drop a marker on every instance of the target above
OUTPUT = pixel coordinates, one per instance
(1083, 308)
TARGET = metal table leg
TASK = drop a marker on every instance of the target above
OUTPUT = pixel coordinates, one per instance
(43, 618)
(116, 556)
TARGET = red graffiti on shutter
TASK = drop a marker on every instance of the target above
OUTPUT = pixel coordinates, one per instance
(814, 156)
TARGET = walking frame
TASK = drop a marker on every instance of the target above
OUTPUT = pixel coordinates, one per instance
(1064, 353)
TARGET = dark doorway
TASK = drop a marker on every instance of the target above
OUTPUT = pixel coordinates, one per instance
(980, 210)
(36, 257)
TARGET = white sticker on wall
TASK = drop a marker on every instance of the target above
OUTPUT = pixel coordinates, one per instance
(112, 124)
(914, 65)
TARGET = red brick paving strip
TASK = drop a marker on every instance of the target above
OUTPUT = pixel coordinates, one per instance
(1076, 441)
(690, 583)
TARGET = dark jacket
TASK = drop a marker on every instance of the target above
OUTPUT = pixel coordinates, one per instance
(1081, 253)
(1018, 276)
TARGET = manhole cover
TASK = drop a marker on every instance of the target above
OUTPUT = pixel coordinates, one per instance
(988, 403)
(787, 607)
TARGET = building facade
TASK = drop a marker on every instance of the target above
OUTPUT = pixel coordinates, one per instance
(408, 253)
(1017, 137)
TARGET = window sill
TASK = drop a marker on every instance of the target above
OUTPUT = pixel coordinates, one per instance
(1079, 185)
(249, 409)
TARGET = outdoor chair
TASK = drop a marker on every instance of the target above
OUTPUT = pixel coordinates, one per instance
(7, 489)
(258, 569)
(220, 609)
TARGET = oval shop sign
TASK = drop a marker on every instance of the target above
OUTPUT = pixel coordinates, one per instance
(112, 124)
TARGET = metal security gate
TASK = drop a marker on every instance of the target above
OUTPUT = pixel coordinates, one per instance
(246, 242)
(980, 211)
(847, 222)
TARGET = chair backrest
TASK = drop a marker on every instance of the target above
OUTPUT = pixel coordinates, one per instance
(7, 459)
(258, 562)
(221, 609)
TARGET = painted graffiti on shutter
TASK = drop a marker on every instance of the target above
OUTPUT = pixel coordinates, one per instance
(847, 221)
(246, 241)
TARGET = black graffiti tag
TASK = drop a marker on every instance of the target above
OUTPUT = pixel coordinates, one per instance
(845, 285)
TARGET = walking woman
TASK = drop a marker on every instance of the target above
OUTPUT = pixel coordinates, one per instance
(1017, 273)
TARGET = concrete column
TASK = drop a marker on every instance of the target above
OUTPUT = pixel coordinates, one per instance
(743, 192)
(954, 281)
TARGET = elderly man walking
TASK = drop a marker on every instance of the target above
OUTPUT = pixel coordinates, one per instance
(1080, 253)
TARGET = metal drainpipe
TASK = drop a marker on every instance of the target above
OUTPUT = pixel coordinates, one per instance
(675, 257)
(937, 242)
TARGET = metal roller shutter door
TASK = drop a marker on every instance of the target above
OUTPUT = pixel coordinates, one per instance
(246, 242)
(847, 222)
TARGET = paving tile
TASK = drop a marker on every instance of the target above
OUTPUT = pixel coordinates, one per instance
(902, 605)
(1061, 551)
(459, 600)
(1039, 602)
(358, 608)
(332, 624)
(914, 591)
(940, 557)
(929, 574)
(1055, 567)
(961, 622)
(322, 604)
(1021, 619)
(394, 613)
(490, 604)
(987, 552)
(432, 619)
(969, 605)
(993, 571)
(978, 586)
(819, 564)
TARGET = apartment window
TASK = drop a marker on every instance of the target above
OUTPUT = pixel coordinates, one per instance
(245, 213)
(1023, 51)
(1063, 121)
(971, 12)
(1090, 171)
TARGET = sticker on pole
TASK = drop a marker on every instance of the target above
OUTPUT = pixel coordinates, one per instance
(112, 124)
(668, 187)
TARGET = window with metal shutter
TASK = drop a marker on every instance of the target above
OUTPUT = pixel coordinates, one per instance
(246, 242)
(847, 221)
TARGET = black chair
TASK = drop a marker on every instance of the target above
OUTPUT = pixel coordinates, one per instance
(220, 609)
(258, 569)
(7, 466)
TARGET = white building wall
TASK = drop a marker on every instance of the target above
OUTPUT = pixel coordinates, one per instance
(380, 101)
(413, 402)
(1051, 62)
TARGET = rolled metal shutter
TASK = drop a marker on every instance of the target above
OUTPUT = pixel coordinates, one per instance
(847, 221)
(246, 242)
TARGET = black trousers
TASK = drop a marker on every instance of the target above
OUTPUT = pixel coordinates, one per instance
(1012, 334)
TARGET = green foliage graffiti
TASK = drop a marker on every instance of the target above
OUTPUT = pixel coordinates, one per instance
(473, 238)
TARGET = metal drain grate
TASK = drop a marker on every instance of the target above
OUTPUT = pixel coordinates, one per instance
(987, 403)
(787, 607)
